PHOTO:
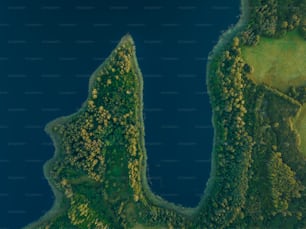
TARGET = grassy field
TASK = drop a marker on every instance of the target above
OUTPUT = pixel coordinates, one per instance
(278, 63)
(300, 125)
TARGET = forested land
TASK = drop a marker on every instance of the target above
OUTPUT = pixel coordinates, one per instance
(274, 18)
(258, 170)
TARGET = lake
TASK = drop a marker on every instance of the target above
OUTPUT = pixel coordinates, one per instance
(48, 51)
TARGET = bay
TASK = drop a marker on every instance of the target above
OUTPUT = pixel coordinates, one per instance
(49, 50)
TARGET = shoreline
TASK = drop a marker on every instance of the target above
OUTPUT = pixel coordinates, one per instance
(58, 195)
(224, 40)
(148, 193)
(55, 210)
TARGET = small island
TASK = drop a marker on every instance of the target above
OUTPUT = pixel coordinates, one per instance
(256, 79)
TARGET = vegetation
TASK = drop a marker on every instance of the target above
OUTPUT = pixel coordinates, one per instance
(256, 84)
(274, 18)
(272, 61)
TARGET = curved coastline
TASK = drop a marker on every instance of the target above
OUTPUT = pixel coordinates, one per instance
(58, 195)
(224, 40)
(55, 210)
(155, 199)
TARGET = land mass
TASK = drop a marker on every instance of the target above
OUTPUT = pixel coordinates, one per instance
(256, 82)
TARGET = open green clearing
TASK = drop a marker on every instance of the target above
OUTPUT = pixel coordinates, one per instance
(300, 125)
(278, 62)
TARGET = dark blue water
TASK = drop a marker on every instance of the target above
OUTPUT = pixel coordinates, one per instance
(48, 49)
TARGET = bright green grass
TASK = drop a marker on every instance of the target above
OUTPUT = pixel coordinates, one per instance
(300, 125)
(278, 62)
(281, 63)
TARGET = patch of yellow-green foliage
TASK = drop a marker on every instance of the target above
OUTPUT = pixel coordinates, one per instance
(278, 62)
(300, 125)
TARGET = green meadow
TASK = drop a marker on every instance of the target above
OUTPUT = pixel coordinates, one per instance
(300, 125)
(281, 63)
(278, 63)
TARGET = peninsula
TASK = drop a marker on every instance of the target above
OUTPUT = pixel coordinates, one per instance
(256, 78)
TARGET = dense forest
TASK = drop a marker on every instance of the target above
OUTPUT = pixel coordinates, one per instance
(258, 170)
(274, 18)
